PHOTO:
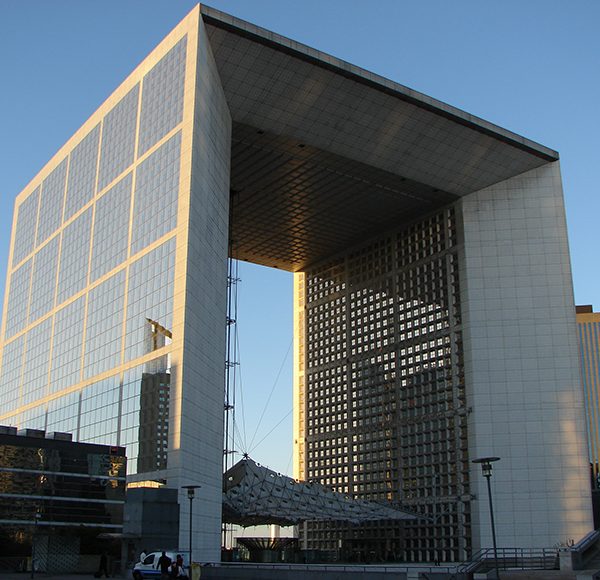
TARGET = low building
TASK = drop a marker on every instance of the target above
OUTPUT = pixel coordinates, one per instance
(57, 497)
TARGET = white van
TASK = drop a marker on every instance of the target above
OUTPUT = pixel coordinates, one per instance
(149, 568)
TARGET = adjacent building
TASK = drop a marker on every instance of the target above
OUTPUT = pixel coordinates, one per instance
(433, 300)
(588, 326)
(58, 496)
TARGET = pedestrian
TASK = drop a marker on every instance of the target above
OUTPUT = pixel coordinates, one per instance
(177, 570)
(164, 563)
(103, 568)
(143, 555)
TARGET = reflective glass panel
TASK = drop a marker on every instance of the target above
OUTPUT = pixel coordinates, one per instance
(37, 359)
(63, 414)
(12, 359)
(118, 138)
(51, 203)
(43, 280)
(162, 97)
(74, 256)
(100, 412)
(145, 415)
(150, 301)
(66, 346)
(82, 172)
(104, 326)
(18, 299)
(26, 222)
(156, 193)
(111, 228)
(34, 418)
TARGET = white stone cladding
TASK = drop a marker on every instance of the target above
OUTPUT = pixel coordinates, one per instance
(198, 459)
(520, 349)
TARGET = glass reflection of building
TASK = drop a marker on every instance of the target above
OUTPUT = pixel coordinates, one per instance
(88, 322)
(154, 422)
(67, 493)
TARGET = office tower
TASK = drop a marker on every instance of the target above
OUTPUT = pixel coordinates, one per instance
(433, 300)
(588, 326)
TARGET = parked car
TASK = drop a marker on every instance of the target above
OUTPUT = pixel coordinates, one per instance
(149, 567)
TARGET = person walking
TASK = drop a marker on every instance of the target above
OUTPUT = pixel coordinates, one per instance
(177, 570)
(164, 563)
(103, 568)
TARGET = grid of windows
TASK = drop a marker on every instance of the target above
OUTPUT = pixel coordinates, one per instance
(18, 299)
(12, 364)
(104, 326)
(34, 418)
(384, 401)
(43, 279)
(84, 337)
(162, 97)
(81, 182)
(150, 301)
(111, 228)
(156, 193)
(74, 256)
(99, 418)
(51, 202)
(36, 361)
(118, 138)
(63, 415)
(92, 413)
(67, 344)
(26, 223)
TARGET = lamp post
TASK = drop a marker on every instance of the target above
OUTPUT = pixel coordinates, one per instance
(36, 517)
(486, 470)
(191, 489)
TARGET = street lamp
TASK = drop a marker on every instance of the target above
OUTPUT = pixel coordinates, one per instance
(191, 489)
(37, 517)
(486, 470)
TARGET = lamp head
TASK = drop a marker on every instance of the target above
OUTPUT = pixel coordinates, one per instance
(486, 465)
(191, 489)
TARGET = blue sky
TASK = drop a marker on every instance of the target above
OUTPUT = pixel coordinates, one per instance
(531, 67)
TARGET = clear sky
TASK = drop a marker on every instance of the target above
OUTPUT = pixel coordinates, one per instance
(529, 66)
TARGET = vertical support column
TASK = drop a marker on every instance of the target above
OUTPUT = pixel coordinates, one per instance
(521, 363)
(198, 456)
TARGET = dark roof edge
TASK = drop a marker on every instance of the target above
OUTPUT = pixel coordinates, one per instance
(296, 49)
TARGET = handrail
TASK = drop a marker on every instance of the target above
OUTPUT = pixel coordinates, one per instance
(370, 568)
(585, 542)
(510, 557)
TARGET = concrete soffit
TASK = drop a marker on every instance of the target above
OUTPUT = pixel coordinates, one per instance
(325, 154)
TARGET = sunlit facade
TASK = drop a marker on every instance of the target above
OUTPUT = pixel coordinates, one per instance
(94, 326)
(433, 302)
(588, 326)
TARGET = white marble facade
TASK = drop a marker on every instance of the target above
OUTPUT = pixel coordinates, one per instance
(521, 364)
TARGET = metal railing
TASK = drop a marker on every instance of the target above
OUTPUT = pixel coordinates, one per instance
(585, 550)
(517, 558)
(370, 568)
(586, 542)
(13, 564)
